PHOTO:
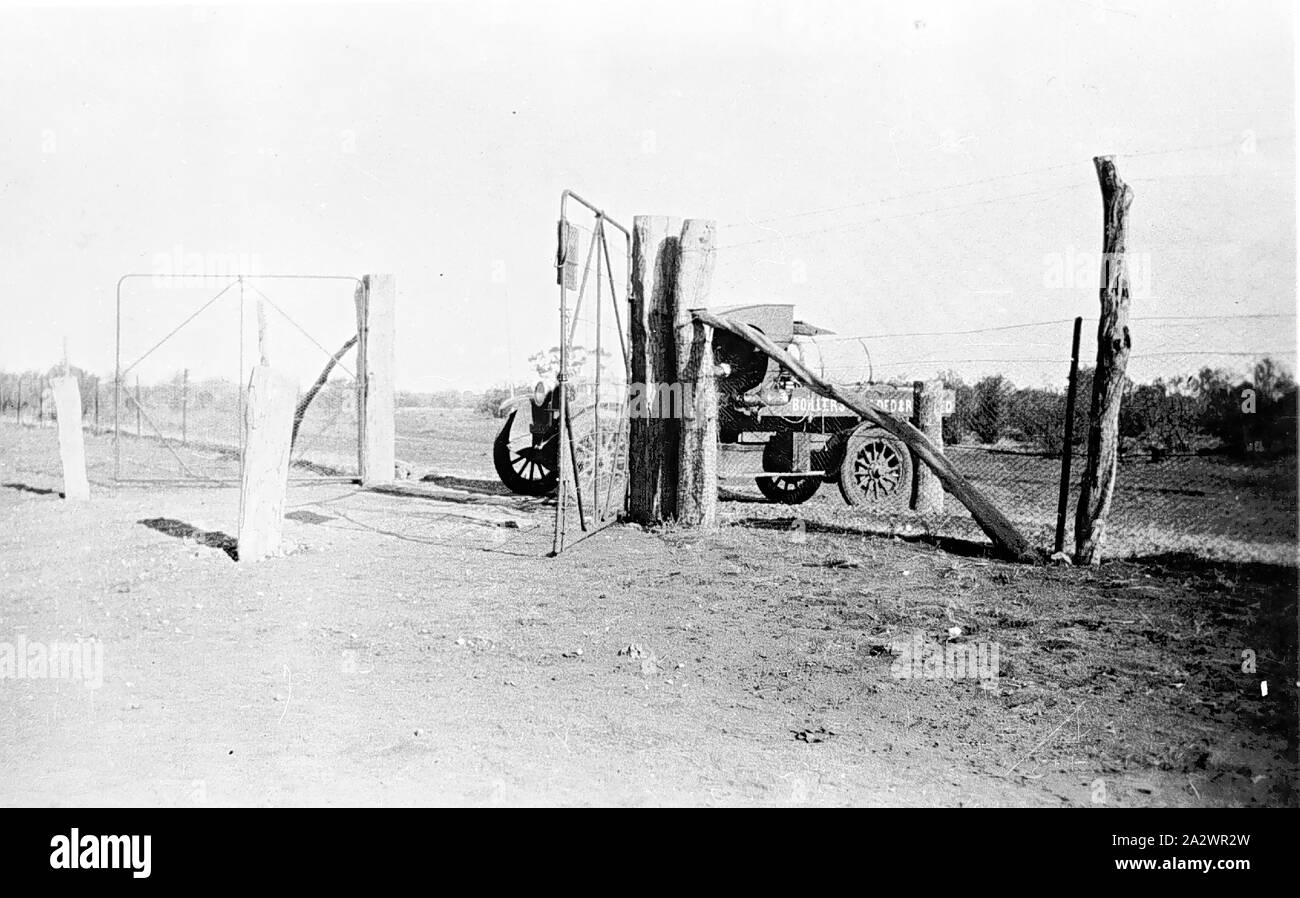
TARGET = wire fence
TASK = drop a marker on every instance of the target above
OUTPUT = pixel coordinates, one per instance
(180, 429)
(185, 349)
(1208, 432)
(1208, 421)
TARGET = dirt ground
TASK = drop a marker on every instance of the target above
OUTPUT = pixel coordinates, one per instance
(419, 648)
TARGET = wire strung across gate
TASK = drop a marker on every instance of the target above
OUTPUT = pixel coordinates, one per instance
(192, 411)
(592, 440)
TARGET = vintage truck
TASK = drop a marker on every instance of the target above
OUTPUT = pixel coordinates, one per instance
(797, 440)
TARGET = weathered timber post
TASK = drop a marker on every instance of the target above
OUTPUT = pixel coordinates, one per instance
(72, 448)
(927, 415)
(376, 385)
(137, 406)
(1067, 439)
(265, 476)
(652, 432)
(697, 455)
(1113, 346)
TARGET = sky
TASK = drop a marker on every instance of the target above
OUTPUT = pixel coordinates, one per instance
(886, 167)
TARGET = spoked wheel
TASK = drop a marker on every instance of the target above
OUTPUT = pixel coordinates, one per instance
(601, 459)
(610, 448)
(790, 490)
(525, 468)
(876, 472)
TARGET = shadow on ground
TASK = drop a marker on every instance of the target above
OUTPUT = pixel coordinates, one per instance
(213, 539)
(468, 484)
(24, 488)
(954, 545)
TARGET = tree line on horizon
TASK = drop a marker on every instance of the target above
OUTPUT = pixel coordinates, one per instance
(1211, 412)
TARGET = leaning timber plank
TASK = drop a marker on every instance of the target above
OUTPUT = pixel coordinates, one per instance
(1003, 533)
(265, 479)
(72, 448)
(418, 490)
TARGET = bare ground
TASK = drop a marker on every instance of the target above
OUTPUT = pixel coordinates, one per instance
(420, 648)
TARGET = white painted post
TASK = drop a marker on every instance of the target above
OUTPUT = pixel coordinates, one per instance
(72, 448)
(268, 416)
(376, 384)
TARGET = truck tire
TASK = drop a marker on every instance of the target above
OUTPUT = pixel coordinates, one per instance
(790, 490)
(876, 470)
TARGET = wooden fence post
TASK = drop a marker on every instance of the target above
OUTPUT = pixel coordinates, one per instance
(927, 414)
(1067, 439)
(265, 477)
(376, 380)
(652, 434)
(1113, 346)
(72, 447)
(697, 458)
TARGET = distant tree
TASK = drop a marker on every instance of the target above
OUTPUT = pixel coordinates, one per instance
(989, 412)
(489, 402)
(547, 362)
(957, 425)
(1036, 417)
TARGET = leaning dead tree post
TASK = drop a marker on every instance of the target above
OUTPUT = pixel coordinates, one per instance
(1113, 346)
(72, 447)
(652, 434)
(376, 388)
(301, 411)
(697, 451)
(1000, 530)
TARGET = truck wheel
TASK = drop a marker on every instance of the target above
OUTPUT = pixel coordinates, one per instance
(524, 468)
(790, 490)
(876, 472)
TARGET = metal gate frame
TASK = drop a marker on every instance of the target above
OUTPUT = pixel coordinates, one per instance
(239, 280)
(602, 511)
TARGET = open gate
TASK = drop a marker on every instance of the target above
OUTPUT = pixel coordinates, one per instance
(185, 345)
(592, 371)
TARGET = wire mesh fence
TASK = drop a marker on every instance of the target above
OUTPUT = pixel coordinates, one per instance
(185, 347)
(1207, 427)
